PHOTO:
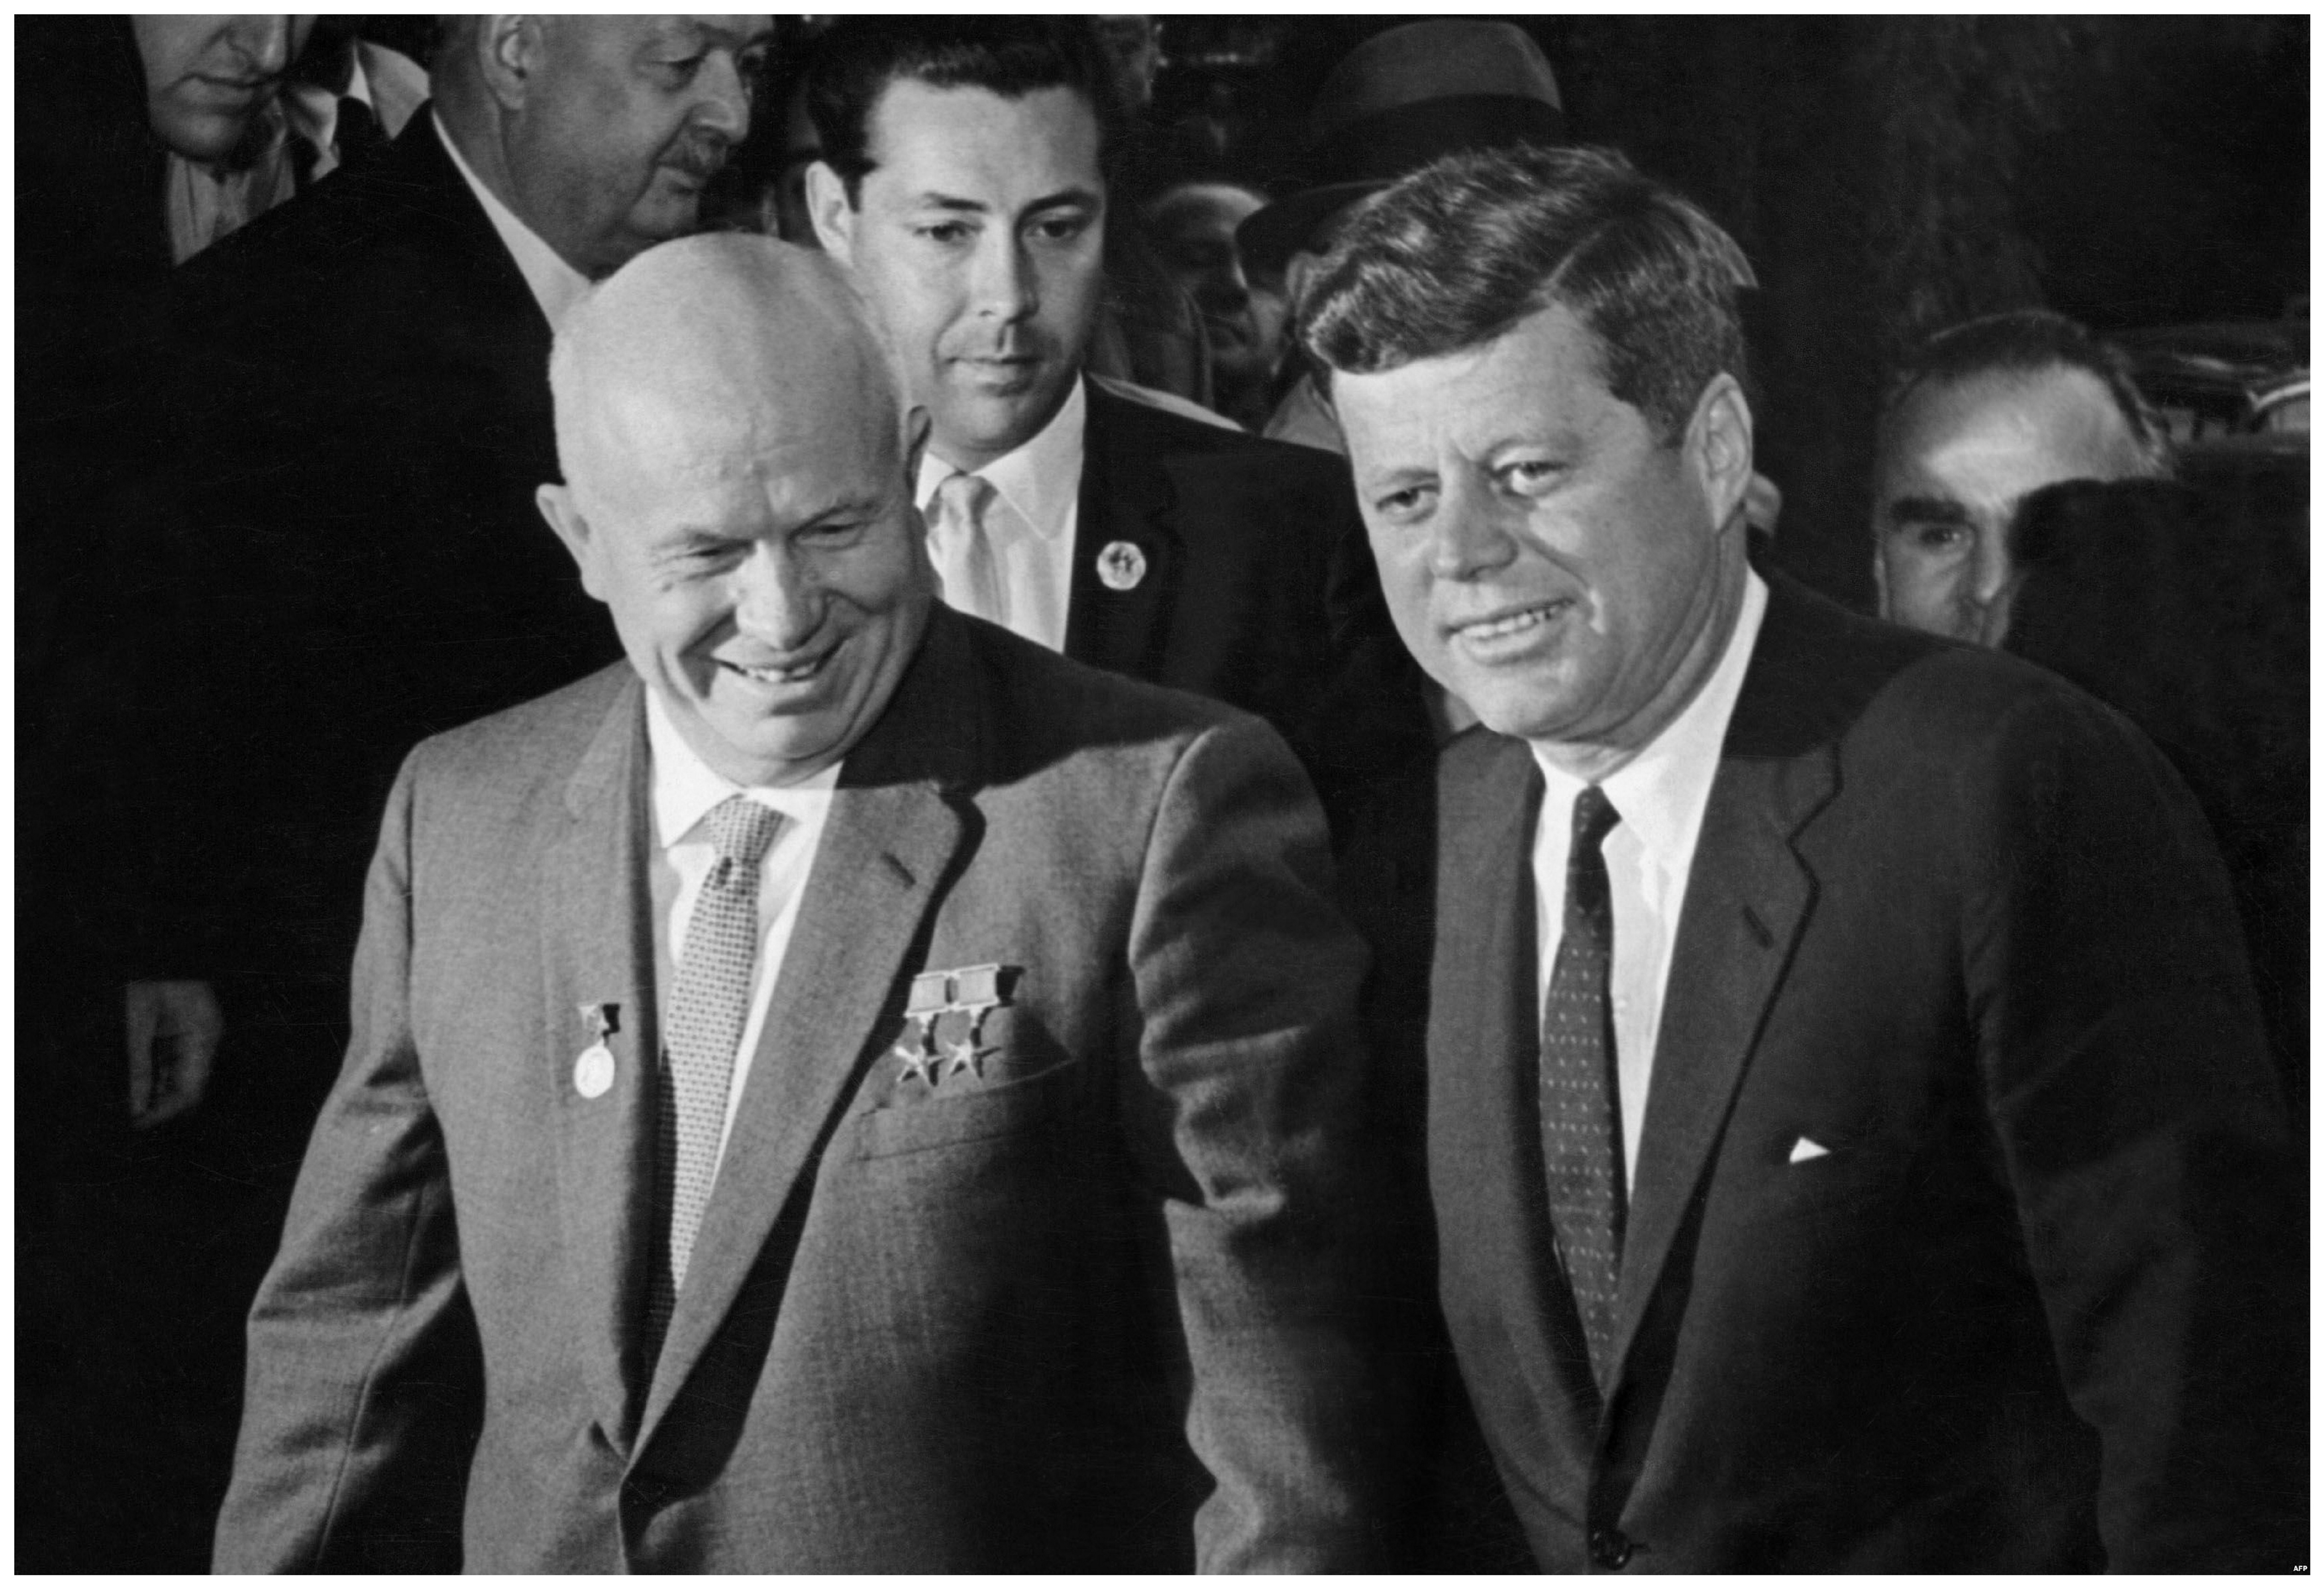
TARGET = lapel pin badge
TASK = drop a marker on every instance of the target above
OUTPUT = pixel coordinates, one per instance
(1120, 565)
(592, 1072)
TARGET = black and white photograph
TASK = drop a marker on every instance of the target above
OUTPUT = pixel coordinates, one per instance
(1058, 793)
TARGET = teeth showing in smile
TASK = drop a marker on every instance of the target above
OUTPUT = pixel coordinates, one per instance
(1514, 622)
(779, 675)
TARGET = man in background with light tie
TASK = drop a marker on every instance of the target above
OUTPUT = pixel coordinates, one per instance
(1852, 1141)
(848, 1090)
(965, 183)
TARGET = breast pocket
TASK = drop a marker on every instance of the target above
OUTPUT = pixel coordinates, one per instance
(1826, 1186)
(913, 1122)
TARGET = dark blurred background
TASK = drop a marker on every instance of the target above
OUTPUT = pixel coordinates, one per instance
(1888, 175)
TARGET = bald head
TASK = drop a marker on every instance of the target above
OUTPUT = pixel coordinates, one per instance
(712, 346)
(738, 492)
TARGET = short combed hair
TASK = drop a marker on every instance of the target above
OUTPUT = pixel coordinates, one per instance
(1455, 254)
(2027, 342)
(1009, 56)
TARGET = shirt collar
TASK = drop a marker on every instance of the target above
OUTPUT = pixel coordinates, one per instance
(1041, 480)
(685, 789)
(315, 110)
(556, 285)
(1662, 792)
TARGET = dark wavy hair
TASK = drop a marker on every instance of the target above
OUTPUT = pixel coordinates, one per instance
(1009, 56)
(1455, 254)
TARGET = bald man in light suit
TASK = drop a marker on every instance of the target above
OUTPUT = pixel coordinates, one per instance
(850, 1090)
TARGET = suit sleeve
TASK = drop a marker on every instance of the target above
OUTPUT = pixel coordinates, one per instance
(1246, 980)
(362, 1389)
(2144, 1140)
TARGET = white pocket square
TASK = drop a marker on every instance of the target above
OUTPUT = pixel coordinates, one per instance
(1807, 1148)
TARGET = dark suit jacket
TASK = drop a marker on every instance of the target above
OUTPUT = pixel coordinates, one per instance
(1958, 924)
(1260, 591)
(359, 385)
(1032, 1320)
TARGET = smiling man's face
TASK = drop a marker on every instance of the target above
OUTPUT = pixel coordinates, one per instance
(738, 497)
(1546, 558)
(977, 237)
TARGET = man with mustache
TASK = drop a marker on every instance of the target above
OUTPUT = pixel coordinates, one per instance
(356, 400)
(847, 1090)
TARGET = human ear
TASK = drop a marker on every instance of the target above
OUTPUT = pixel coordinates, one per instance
(509, 52)
(564, 517)
(828, 206)
(1718, 446)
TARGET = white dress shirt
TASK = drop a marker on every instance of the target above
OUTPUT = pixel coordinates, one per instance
(1029, 522)
(685, 792)
(1660, 794)
(555, 286)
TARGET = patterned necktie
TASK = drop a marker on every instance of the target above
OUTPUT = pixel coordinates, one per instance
(1581, 1115)
(964, 549)
(707, 1009)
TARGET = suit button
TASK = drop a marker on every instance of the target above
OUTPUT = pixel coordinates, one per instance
(1609, 1548)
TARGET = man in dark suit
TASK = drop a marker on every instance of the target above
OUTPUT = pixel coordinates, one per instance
(1851, 1138)
(964, 182)
(359, 388)
(927, 1147)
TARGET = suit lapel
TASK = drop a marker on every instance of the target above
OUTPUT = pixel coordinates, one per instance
(1748, 899)
(598, 950)
(1485, 1055)
(887, 846)
(1126, 499)
(417, 173)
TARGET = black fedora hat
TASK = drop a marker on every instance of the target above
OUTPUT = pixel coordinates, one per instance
(1399, 100)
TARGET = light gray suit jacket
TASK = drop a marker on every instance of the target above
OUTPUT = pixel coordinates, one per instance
(1092, 1309)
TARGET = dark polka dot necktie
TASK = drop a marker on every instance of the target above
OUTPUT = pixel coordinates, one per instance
(709, 1003)
(1580, 1112)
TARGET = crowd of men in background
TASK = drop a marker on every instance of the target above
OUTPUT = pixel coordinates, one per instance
(1232, 1142)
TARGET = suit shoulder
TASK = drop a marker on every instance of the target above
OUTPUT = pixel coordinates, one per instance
(1821, 672)
(1130, 424)
(1041, 711)
(1037, 691)
(522, 744)
(339, 220)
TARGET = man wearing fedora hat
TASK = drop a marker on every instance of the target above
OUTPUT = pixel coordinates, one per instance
(1400, 99)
